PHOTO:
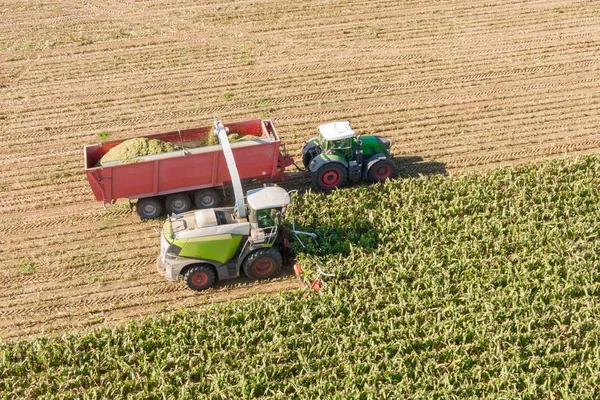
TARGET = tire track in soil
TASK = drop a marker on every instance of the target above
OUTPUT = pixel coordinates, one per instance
(448, 99)
(172, 301)
(406, 141)
(266, 79)
(466, 87)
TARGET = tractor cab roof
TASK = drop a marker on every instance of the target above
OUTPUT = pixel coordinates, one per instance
(336, 130)
(268, 197)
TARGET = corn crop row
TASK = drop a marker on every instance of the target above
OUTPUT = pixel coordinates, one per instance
(484, 285)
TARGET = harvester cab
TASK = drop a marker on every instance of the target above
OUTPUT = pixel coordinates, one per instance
(337, 155)
(207, 245)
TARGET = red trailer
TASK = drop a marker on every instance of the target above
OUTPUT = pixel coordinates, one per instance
(178, 180)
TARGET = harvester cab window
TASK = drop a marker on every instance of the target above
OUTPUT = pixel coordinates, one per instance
(266, 218)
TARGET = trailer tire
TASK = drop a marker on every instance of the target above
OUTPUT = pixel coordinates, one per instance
(330, 176)
(149, 208)
(263, 263)
(199, 277)
(207, 198)
(178, 203)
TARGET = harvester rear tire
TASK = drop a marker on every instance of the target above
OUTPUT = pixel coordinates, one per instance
(263, 263)
(199, 277)
(330, 176)
(149, 208)
(207, 198)
(178, 203)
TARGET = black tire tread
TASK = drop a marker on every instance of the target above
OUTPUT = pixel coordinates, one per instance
(140, 206)
(271, 252)
(203, 192)
(316, 176)
(171, 197)
(371, 171)
(187, 274)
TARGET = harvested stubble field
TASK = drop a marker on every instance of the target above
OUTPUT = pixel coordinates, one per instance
(456, 84)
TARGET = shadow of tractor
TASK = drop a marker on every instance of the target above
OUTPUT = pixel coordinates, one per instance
(415, 166)
(406, 167)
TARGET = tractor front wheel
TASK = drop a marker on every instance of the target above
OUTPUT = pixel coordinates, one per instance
(199, 277)
(330, 176)
(309, 151)
(381, 170)
(263, 263)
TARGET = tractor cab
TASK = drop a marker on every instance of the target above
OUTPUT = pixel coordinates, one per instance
(338, 138)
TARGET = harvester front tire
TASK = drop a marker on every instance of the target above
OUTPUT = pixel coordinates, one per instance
(330, 176)
(382, 170)
(149, 208)
(178, 203)
(199, 277)
(263, 263)
(207, 198)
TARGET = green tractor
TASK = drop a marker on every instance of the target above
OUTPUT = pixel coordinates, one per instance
(207, 245)
(336, 156)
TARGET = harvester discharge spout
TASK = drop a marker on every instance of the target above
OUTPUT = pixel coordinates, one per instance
(221, 133)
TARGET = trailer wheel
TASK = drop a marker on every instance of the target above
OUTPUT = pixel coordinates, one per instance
(263, 263)
(330, 176)
(149, 208)
(199, 277)
(178, 203)
(207, 198)
(381, 170)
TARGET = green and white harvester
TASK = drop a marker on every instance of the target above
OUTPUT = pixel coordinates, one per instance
(337, 155)
(209, 245)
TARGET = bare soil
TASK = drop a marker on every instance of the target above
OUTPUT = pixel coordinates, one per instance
(457, 85)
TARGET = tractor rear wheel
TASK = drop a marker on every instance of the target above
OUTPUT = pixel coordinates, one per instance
(199, 277)
(149, 208)
(381, 170)
(330, 176)
(178, 203)
(263, 263)
(207, 198)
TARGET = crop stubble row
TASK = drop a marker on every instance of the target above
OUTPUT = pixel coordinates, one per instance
(460, 85)
(546, 108)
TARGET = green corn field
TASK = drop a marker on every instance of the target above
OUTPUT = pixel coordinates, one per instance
(484, 285)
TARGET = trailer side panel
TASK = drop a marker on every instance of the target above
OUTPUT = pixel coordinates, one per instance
(189, 169)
